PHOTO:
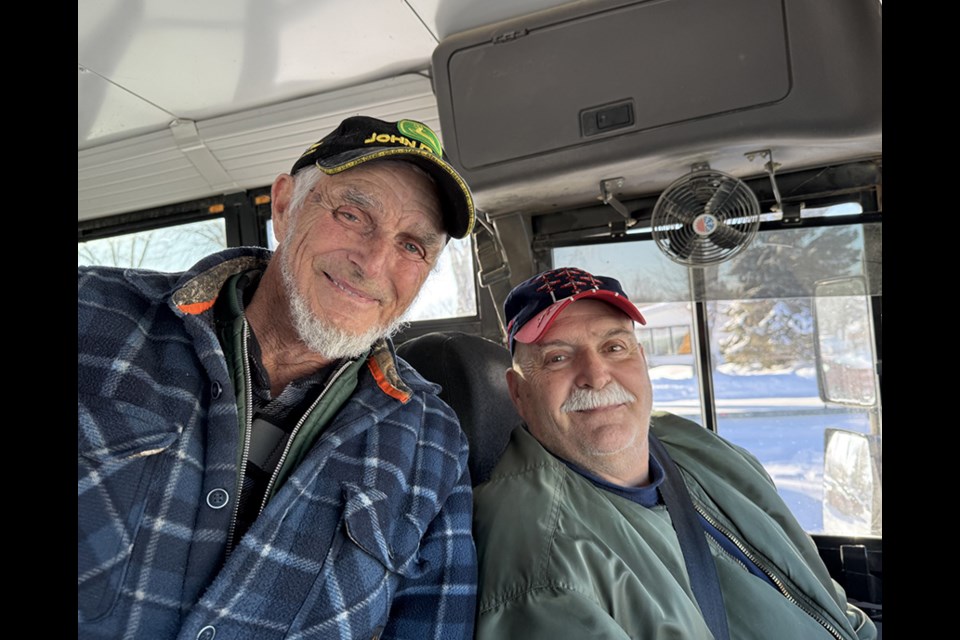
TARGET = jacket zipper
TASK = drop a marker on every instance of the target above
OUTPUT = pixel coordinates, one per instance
(773, 577)
(296, 429)
(247, 432)
(716, 546)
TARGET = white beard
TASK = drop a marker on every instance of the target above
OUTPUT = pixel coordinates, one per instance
(322, 337)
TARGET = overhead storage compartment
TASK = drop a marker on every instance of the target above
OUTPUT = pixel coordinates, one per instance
(610, 88)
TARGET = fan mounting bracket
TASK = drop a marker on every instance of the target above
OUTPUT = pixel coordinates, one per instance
(771, 167)
(699, 166)
(607, 196)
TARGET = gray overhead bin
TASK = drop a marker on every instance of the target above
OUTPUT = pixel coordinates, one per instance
(537, 110)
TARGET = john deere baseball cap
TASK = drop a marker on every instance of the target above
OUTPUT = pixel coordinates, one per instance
(534, 304)
(361, 139)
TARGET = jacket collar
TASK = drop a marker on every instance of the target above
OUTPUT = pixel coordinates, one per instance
(383, 365)
(197, 292)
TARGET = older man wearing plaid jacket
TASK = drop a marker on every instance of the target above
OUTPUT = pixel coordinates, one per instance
(253, 459)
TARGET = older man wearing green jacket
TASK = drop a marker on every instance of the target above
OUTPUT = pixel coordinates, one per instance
(578, 528)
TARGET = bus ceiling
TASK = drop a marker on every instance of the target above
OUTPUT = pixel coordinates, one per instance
(542, 104)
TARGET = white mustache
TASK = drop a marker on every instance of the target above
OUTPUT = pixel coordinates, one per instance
(585, 399)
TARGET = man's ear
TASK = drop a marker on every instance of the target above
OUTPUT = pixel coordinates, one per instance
(280, 194)
(513, 385)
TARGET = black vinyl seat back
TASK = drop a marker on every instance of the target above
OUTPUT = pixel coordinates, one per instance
(471, 371)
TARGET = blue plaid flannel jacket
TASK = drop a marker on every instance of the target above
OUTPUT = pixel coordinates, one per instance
(370, 536)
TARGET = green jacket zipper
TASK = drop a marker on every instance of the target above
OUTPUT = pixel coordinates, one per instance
(247, 432)
(296, 429)
(770, 574)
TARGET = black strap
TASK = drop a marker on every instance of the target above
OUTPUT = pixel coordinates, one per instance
(693, 544)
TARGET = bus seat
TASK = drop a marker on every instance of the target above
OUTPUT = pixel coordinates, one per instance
(471, 371)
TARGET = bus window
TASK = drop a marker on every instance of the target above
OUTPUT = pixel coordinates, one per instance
(172, 248)
(449, 291)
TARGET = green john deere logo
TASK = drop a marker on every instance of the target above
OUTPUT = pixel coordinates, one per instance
(421, 132)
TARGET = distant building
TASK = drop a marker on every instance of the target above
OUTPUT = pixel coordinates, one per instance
(667, 338)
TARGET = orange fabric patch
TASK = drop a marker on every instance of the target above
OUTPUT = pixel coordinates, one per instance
(196, 308)
(384, 384)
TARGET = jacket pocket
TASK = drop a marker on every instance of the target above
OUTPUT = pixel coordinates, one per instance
(118, 447)
(376, 526)
(375, 546)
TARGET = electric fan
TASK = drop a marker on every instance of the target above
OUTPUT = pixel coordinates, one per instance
(705, 217)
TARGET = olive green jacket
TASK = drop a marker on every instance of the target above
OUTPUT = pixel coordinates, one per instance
(562, 558)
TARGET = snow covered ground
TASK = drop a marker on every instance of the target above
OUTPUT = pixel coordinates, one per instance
(778, 417)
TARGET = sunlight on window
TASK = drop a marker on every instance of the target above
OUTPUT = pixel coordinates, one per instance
(449, 291)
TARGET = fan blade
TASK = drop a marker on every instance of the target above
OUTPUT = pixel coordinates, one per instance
(727, 237)
(680, 210)
(719, 198)
(682, 245)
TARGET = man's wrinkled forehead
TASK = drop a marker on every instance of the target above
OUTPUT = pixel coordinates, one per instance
(353, 186)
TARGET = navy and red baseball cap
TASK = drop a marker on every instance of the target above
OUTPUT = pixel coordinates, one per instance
(534, 304)
(361, 139)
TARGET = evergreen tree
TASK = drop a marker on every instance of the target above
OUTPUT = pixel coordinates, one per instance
(770, 322)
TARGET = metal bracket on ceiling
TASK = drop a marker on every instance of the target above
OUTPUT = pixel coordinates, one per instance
(791, 213)
(771, 168)
(607, 197)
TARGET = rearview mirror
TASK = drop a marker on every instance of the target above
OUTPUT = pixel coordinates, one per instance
(844, 344)
(852, 483)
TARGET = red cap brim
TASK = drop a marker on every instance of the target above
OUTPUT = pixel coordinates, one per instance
(536, 326)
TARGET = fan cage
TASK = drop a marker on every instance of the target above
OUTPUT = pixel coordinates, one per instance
(704, 218)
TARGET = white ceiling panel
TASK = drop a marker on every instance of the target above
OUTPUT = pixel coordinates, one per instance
(198, 60)
(113, 113)
(236, 151)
